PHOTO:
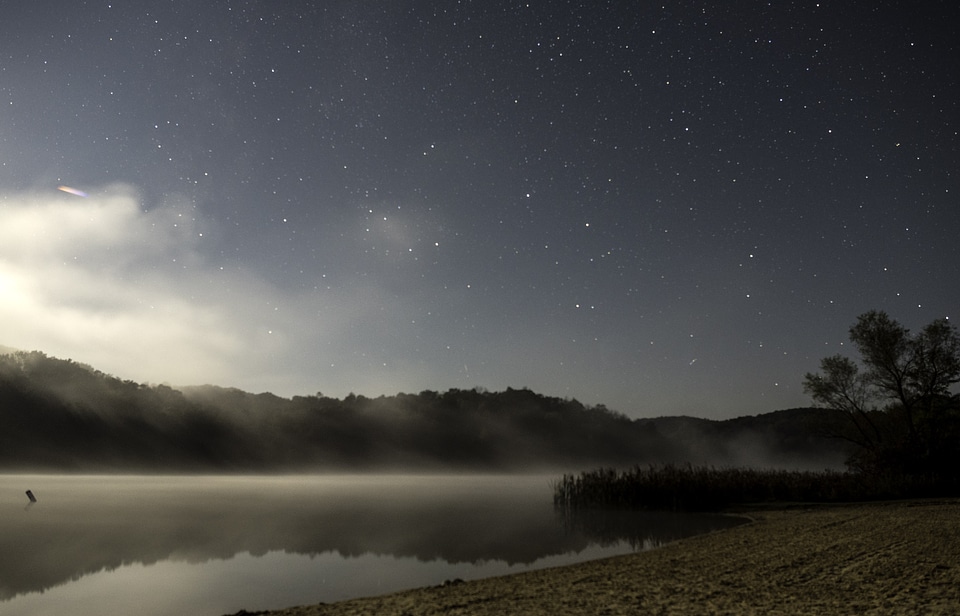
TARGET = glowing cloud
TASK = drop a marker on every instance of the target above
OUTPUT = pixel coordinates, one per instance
(103, 282)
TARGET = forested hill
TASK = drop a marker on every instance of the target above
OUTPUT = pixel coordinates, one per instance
(60, 415)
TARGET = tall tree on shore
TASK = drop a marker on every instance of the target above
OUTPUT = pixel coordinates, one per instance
(902, 413)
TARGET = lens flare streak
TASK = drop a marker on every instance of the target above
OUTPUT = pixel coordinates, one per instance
(72, 191)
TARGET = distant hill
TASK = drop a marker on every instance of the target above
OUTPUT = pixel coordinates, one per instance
(59, 415)
(791, 438)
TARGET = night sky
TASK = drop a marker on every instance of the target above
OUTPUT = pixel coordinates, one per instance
(667, 208)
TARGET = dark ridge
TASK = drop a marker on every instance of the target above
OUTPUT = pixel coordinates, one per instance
(59, 415)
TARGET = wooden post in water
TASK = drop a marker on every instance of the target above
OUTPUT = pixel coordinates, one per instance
(30, 495)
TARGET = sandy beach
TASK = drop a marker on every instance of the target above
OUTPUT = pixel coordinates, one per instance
(889, 558)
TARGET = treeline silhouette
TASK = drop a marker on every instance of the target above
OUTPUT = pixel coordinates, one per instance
(57, 414)
(901, 417)
(700, 488)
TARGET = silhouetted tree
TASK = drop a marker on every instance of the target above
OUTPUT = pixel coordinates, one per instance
(902, 414)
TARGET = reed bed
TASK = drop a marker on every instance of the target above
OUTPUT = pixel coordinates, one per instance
(703, 488)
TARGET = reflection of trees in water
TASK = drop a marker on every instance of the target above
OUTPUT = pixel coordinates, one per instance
(642, 530)
(85, 525)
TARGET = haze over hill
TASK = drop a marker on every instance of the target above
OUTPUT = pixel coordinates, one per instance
(57, 414)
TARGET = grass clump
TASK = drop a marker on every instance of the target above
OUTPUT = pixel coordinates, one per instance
(702, 488)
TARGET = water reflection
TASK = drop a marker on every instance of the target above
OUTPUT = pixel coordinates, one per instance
(97, 530)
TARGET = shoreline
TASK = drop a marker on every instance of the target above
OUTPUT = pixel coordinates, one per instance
(900, 557)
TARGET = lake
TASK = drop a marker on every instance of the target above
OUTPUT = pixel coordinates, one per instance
(213, 545)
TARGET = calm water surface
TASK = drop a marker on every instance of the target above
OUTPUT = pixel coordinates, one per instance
(159, 546)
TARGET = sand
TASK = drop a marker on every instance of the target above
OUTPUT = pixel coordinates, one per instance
(890, 558)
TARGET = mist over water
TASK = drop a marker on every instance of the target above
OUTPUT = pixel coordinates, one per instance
(213, 545)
